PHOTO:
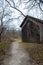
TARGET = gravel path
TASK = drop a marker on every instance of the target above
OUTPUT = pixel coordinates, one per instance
(18, 56)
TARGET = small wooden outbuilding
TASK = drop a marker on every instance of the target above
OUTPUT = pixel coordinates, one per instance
(32, 29)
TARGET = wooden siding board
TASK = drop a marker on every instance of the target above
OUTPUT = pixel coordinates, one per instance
(29, 33)
(41, 33)
(33, 19)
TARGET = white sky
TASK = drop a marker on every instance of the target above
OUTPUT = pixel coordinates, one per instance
(33, 12)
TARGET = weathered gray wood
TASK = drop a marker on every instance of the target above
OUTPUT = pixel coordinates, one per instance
(32, 29)
(30, 32)
(41, 33)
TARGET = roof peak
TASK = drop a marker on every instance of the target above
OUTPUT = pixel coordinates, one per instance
(33, 19)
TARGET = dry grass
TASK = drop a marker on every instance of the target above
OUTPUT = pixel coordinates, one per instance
(17, 39)
(35, 50)
(4, 48)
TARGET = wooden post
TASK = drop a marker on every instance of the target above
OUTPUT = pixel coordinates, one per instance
(0, 37)
(41, 33)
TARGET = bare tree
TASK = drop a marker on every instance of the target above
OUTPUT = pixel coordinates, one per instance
(6, 14)
(14, 7)
(31, 3)
(5, 17)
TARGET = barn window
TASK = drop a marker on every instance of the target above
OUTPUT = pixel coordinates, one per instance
(28, 24)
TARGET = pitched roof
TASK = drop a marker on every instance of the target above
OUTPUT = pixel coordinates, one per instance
(33, 19)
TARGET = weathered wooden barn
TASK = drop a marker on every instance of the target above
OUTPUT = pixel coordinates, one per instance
(32, 29)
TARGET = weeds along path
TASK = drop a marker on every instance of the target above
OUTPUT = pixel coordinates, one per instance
(17, 56)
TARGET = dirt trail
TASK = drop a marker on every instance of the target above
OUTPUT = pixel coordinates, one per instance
(18, 56)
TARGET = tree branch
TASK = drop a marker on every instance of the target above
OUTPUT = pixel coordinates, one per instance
(31, 5)
(15, 8)
(40, 7)
(27, 1)
(40, 1)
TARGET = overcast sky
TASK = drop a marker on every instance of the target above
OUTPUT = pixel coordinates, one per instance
(35, 12)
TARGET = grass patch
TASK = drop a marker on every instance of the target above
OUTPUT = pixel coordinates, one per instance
(17, 39)
(35, 50)
(5, 43)
(4, 48)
